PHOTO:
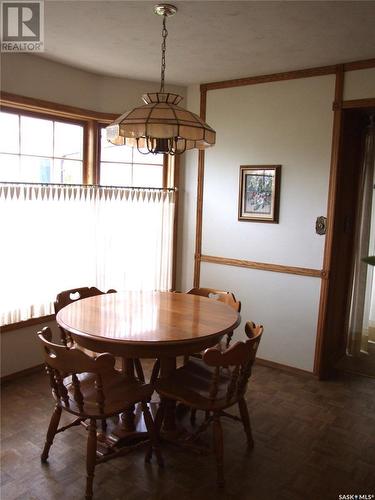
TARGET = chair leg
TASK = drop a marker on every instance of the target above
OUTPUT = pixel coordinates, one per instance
(158, 423)
(246, 422)
(154, 439)
(160, 417)
(155, 371)
(139, 370)
(52, 429)
(219, 449)
(91, 458)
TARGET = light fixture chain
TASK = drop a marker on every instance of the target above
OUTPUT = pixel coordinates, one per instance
(164, 34)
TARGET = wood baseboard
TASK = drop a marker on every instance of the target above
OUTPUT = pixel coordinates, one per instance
(22, 373)
(259, 361)
(284, 368)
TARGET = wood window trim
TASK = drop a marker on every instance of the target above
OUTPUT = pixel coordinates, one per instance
(89, 119)
(86, 159)
(47, 107)
(92, 122)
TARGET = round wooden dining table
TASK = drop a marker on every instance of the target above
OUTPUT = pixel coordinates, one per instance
(162, 325)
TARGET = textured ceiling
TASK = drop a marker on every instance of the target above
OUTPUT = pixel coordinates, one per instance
(208, 40)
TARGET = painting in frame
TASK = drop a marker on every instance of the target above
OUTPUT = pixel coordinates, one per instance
(259, 193)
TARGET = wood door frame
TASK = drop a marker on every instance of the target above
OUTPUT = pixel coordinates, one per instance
(333, 314)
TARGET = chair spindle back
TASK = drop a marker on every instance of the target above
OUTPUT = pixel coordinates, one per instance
(220, 295)
(237, 361)
(68, 297)
(62, 363)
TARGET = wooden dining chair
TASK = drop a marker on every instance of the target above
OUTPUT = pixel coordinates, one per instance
(213, 384)
(68, 297)
(91, 388)
(222, 296)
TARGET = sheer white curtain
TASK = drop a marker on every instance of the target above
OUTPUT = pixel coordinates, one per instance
(60, 237)
(364, 245)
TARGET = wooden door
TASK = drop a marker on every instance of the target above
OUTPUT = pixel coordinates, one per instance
(352, 136)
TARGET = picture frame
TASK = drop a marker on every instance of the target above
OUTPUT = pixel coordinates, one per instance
(259, 193)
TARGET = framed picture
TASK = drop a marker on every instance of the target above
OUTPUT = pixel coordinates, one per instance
(259, 193)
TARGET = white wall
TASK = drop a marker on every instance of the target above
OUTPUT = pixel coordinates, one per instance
(359, 84)
(286, 305)
(20, 348)
(287, 123)
(32, 76)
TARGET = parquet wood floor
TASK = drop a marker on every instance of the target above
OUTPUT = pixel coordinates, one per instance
(313, 440)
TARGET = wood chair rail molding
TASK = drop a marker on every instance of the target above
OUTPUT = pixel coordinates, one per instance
(261, 266)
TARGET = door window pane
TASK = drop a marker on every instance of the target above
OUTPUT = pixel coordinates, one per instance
(9, 133)
(36, 136)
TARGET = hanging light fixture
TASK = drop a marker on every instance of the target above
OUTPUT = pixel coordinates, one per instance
(160, 125)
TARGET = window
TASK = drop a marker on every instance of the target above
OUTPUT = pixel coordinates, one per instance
(123, 237)
(124, 166)
(34, 149)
